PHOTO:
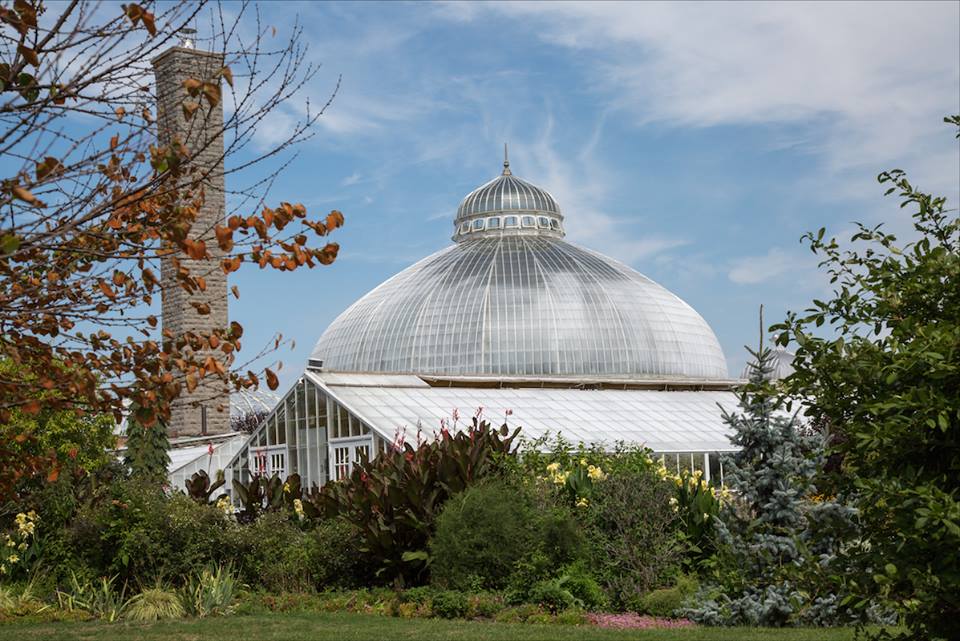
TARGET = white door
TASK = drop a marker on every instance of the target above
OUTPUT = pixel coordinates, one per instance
(344, 454)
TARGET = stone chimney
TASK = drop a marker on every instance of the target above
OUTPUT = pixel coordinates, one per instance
(195, 413)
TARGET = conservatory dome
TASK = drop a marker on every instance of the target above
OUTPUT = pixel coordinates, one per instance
(512, 298)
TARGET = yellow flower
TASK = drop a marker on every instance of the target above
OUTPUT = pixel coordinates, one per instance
(553, 467)
(298, 508)
(224, 505)
(662, 471)
(583, 462)
(11, 543)
(595, 473)
(13, 558)
(697, 473)
(22, 547)
(705, 516)
(582, 502)
(3, 569)
(286, 487)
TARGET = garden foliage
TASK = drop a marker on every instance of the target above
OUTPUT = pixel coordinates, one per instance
(394, 500)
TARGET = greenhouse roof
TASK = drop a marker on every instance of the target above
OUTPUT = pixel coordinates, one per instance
(680, 420)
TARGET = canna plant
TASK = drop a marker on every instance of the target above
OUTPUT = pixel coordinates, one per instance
(697, 504)
(200, 489)
(266, 494)
(394, 500)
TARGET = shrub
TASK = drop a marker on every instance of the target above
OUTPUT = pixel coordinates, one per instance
(483, 605)
(449, 605)
(553, 595)
(274, 553)
(518, 614)
(333, 558)
(583, 586)
(666, 601)
(134, 531)
(501, 533)
(481, 534)
(573, 616)
(633, 533)
(778, 542)
(540, 618)
(154, 604)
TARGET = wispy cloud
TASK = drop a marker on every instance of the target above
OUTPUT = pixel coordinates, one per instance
(751, 270)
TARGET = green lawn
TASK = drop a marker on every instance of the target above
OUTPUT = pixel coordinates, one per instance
(347, 627)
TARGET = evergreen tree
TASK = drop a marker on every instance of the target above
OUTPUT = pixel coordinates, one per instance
(778, 539)
(147, 448)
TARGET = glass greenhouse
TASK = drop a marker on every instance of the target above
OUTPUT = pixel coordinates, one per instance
(513, 322)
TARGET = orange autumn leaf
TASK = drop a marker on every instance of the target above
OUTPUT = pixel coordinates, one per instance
(272, 381)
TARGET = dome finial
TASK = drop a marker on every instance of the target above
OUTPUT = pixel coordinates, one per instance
(506, 161)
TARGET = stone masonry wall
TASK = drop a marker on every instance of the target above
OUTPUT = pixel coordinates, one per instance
(203, 136)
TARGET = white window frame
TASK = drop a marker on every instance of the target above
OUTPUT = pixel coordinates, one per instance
(345, 452)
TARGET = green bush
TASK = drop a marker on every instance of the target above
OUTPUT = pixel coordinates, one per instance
(489, 533)
(484, 605)
(273, 553)
(665, 601)
(584, 587)
(333, 558)
(554, 595)
(483, 533)
(134, 531)
(540, 618)
(517, 614)
(573, 616)
(449, 605)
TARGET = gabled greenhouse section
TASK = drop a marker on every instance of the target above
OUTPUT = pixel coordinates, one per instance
(328, 419)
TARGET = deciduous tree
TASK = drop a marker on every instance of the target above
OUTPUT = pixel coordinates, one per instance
(885, 388)
(91, 202)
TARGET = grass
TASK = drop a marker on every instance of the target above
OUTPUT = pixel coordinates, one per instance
(348, 627)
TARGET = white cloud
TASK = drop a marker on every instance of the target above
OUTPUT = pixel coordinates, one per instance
(751, 270)
(867, 82)
(352, 179)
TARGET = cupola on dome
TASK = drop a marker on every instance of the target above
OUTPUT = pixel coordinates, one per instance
(512, 298)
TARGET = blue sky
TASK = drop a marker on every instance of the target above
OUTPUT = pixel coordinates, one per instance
(695, 142)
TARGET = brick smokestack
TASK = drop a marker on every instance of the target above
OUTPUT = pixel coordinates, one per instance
(196, 412)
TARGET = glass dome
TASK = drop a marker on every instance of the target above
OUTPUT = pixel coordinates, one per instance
(520, 301)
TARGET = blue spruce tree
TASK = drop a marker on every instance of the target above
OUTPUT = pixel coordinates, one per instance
(778, 540)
